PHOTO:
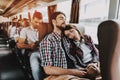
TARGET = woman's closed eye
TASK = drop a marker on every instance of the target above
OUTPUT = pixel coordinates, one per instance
(71, 30)
(67, 34)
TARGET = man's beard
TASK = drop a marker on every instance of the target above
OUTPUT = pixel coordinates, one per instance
(35, 27)
(61, 27)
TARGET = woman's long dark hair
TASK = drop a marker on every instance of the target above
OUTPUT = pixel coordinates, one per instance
(69, 26)
(74, 50)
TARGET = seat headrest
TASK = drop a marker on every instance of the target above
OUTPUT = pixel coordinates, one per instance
(80, 27)
(109, 49)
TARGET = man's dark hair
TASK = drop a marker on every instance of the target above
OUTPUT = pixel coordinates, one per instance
(54, 15)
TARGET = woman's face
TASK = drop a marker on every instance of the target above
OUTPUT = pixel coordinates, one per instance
(72, 34)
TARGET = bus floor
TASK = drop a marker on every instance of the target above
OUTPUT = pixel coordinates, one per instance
(10, 69)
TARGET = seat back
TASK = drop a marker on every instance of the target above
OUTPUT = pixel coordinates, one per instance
(80, 27)
(109, 49)
(44, 29)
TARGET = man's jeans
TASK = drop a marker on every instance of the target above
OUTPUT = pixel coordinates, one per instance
(37, 70)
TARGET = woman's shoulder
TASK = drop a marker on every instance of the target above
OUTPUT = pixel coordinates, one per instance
(87, 38)
(48, 37)
(85, 35)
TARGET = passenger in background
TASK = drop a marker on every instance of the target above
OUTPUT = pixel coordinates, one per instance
(14, 20)
(25, 22)
(11, 32)
(21, 24)
(30, 35)
(29, 39)
(85, 54)
(18, 29)
(54, 57)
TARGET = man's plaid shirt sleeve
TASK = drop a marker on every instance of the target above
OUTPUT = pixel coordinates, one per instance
(46, 53)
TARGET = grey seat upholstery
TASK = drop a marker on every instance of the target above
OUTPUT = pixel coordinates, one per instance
(109, 49)
(80, 27)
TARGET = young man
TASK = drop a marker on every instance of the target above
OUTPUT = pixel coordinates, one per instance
(29, 35)
(11, 32)
(53, 55)
(29, 39)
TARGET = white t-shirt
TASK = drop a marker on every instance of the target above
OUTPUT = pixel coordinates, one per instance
(9, 27)
(12, 31)
(30, 34)
(86, 53)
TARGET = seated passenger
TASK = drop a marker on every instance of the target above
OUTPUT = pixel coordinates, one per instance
(29, 39)
(14, 20)
(20, 25)
(18, 29)
(84, 52)
(54, 58)
(11, 33)
(25, 22)
(30, 35)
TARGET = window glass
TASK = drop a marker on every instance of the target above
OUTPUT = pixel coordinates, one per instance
(65, 7)
(119, 11)
(43, 10)
(92, 12)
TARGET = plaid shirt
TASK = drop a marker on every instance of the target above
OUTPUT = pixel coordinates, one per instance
(51, 51)
(53, 54)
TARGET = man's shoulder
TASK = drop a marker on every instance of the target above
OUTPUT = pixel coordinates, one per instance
(87, 36)
(48, 38)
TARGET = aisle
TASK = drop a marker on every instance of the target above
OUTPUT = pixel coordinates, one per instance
(9, 66)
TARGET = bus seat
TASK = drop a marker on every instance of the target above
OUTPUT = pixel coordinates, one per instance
(44, 29)
(109, 49)
(80, 27)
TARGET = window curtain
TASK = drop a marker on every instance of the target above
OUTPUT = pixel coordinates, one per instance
(51, 10)
(74, 16)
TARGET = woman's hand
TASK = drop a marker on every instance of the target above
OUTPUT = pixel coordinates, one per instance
(93, 70)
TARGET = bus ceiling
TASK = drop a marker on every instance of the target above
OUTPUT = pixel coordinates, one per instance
(12, 7)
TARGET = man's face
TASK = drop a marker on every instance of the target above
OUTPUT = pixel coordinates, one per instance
(60, 21)
(26, 23)
(36, 22)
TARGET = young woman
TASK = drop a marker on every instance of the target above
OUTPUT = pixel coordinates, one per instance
(83, 50)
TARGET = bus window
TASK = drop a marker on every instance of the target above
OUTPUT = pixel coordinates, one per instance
(44, 12)
(119, 10)
(92, 12)
(65, 7)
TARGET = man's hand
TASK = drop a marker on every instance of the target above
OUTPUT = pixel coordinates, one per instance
(32, 46)
(79, 73)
